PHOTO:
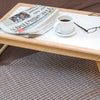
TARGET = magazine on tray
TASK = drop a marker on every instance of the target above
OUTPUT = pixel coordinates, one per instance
(29, 20)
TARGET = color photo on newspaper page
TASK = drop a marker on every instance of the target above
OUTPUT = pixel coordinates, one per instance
(19, 17)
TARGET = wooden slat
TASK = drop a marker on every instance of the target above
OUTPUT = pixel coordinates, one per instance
(2, 49)
(98, 64)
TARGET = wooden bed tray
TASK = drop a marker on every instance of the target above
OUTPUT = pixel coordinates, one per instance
(48, 46)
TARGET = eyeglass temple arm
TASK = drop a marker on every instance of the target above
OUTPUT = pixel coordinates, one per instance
(81, 27)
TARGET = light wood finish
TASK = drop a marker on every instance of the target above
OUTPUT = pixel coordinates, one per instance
(98, 64)
(48, 46)
(2, 49)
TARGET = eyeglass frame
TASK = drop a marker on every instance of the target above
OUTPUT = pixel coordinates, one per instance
(95, 29)
(88, 29)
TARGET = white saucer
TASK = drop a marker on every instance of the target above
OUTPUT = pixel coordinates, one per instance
(67, 35)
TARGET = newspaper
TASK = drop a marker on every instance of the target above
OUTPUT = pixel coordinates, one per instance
(29, 20)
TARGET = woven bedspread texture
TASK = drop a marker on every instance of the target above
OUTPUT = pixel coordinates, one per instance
(46, 76)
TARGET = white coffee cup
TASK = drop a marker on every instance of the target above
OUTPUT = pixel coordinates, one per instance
(64, 25)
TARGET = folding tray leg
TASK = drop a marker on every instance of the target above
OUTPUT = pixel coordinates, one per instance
(97, 14)
(98, 64)
(2, 49)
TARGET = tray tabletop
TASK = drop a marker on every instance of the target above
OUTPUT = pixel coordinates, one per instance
(50, 42)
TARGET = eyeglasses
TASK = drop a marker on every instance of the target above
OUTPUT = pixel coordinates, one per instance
(90, 30)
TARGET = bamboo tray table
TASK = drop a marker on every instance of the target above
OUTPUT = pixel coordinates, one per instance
(50, 45)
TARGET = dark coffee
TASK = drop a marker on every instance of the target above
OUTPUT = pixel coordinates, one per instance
(64, 20)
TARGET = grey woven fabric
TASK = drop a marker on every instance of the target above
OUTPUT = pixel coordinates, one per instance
(45, 76)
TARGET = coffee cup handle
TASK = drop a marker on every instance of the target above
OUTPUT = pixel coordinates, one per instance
(56, 27)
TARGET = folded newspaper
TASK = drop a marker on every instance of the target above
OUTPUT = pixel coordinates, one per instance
(30, 20)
